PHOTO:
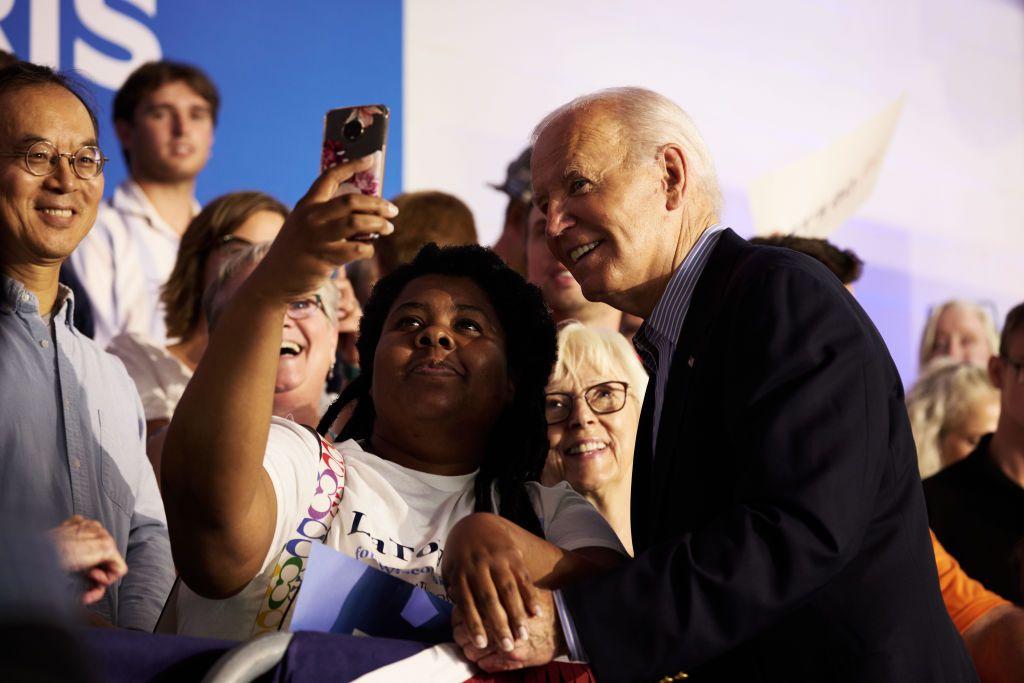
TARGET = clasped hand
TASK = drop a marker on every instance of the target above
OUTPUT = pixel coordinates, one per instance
(87, 549)
(501, 619)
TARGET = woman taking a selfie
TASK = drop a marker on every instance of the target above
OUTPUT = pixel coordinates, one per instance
(439, 457)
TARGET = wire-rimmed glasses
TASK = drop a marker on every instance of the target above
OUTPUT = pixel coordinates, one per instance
(42, 157)
(602, 398)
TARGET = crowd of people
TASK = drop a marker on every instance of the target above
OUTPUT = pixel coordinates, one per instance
(624, 435)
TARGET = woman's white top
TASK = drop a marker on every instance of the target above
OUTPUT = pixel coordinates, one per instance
(391, 517)
(159, 376)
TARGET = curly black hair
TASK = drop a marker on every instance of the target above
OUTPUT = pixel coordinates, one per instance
(518, 442)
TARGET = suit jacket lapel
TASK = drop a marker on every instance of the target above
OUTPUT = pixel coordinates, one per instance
(706, 296)
(643, 463)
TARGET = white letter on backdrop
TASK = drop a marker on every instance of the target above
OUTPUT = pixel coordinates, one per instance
(6, 7)
(136, 38)
(44, 32)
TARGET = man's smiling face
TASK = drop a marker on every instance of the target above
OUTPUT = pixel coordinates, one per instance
(43, 218)
(607, 219)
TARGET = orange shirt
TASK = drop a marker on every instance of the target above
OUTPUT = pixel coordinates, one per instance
(966, 599)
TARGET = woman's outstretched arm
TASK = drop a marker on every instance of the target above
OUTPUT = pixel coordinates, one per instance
(221, 507)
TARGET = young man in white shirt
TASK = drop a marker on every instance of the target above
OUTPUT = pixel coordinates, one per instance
(164, 114)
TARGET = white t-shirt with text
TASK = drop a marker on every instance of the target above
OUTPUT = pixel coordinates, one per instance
(391, 517)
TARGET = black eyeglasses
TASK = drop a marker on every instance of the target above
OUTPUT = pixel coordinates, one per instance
(303, 308)
(603, 398)
(42, 157)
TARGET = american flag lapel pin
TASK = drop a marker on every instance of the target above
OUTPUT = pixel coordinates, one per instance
(690, 362)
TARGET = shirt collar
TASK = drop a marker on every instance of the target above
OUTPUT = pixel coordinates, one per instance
(14, 296)
(131, 199)
(666, 320)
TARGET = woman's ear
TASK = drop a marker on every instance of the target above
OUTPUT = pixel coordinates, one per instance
(673, 168)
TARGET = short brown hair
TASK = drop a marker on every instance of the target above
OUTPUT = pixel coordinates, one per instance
(153, 75)
(182, 295)
(1014, 322)
(844, 263)
(424, 217)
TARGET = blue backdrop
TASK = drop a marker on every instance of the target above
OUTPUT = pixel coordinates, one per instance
(279, 66)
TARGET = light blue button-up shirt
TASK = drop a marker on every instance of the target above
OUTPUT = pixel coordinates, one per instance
(72, 442)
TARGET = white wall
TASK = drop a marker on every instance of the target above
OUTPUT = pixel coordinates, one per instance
(767, 83)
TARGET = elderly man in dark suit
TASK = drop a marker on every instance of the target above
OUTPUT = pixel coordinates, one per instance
(778, 518)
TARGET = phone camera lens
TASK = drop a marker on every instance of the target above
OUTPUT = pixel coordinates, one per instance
(352, 130)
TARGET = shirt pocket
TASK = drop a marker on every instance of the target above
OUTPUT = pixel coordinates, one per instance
(115, 485)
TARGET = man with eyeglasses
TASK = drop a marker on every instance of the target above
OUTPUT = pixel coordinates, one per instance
(976, 506)
(71, 425)
(164, 115)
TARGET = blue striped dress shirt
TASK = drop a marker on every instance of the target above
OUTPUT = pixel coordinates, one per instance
(656, 339)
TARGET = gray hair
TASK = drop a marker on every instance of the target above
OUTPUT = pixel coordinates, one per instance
(606, 352)
(214, 297)
(648, 121)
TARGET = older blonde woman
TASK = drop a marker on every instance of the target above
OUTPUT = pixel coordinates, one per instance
(593, 409)
(961, 330)
(951, 406)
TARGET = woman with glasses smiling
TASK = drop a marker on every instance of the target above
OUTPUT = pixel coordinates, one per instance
(227, 225)
(309, 337)
(592, 407)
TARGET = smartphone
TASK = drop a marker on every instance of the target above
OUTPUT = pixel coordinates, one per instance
(352, 133)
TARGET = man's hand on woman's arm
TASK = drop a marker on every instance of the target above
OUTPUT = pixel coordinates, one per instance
(500, 576)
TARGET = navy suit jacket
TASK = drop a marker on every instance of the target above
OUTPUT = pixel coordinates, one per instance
(780, 528)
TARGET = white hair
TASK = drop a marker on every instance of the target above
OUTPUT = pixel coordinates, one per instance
(648, 122)
(603, 351)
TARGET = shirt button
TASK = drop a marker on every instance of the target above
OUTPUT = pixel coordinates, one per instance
(76, 463)
(45, 343)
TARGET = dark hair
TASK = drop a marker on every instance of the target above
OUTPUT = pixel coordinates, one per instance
(6, 59)
(424, 217)
(1014, 322)
(518, 443)
(182, 294)
(19, 75)
(153, 75)
(843, 262)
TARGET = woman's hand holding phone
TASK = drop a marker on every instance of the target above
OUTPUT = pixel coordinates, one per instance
(317, 236)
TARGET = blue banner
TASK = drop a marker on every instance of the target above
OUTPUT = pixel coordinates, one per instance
(279, 67)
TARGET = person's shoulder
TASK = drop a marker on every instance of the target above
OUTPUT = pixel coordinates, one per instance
(291, 436)
(551, 498)
(765, 262)
(954, 478)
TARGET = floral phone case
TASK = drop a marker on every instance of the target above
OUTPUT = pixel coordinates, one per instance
(352, 133)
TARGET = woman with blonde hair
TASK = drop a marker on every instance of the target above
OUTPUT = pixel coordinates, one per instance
(592, 409)
(961, 330)
(951, 406)
(225, 226)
